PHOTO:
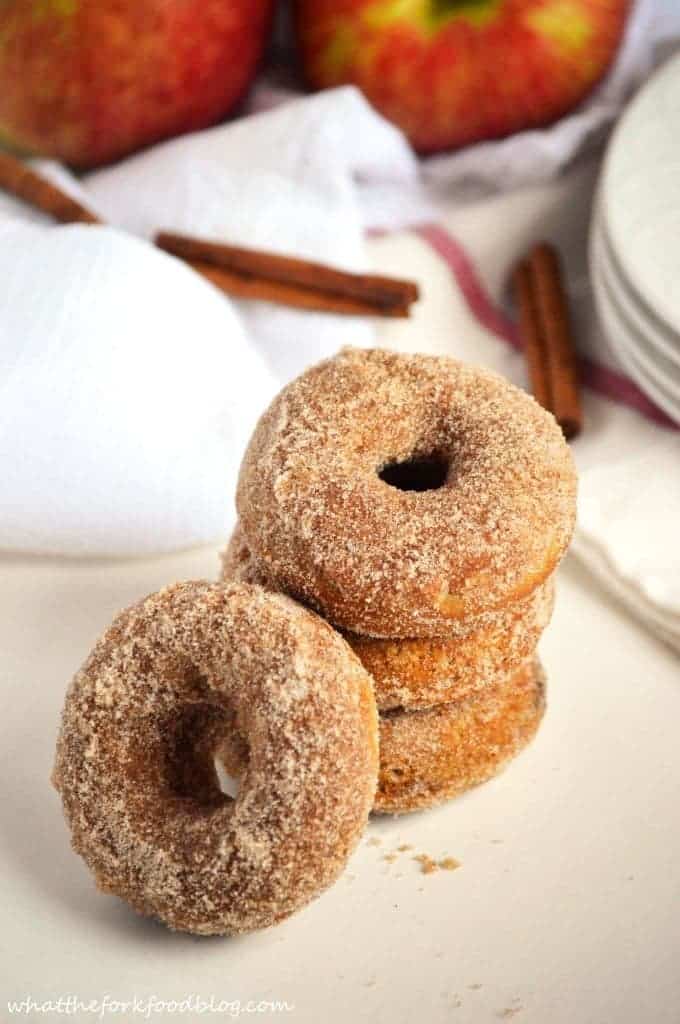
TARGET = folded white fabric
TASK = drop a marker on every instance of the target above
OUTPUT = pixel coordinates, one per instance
(129, 386)
(627, 533)
(284, 180)
(128, 389)
(629, 503)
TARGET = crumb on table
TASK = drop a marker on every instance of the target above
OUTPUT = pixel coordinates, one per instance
(428, 865)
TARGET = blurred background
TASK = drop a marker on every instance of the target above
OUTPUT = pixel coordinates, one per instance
(428, 139)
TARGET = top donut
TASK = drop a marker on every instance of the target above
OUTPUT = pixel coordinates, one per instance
(401, 494)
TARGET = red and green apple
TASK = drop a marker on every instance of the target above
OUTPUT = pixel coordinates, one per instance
(87, 81)
(452, 72)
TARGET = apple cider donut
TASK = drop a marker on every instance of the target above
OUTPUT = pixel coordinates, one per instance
(430, 756)
(402, 494)
(172, 678)
(419, 673)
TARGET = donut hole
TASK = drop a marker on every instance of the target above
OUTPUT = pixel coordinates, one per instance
(416, 474)
(231, 761)
(189, 744)
(229, 784)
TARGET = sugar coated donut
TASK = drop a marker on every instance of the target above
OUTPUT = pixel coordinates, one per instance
(419, 673)
(172, 678)
(400, 494)
(430, 756)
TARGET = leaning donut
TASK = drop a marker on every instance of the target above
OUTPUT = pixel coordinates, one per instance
(402, 494)
(430, 756)
(172, 678)
(419, 673)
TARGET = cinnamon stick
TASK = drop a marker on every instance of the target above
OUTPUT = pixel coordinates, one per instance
(532, 335)
(545, 332)
(242, 287)
(384, 293)
(243, 273)
(25, 184)
(553, 311)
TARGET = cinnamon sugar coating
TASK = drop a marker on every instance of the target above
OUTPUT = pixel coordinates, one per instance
(430, 756)
(175, 676)
(419, 673)
(382, 561)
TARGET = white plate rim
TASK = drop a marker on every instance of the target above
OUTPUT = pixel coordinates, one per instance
(655, 332)
(661, 308)
(650, 356)
(615, 329)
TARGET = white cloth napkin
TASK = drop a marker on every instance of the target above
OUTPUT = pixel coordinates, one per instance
(129, 386)
(628, 514)
(284, 180)
(128, 389)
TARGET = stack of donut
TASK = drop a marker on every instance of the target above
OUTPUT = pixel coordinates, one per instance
(421, 506)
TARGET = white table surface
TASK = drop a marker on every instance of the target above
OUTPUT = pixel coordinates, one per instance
(564, 909)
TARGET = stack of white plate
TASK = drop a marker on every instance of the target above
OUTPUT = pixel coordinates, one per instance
(635, 240)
